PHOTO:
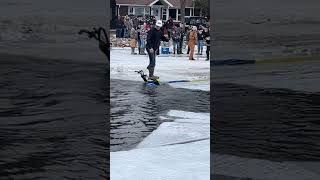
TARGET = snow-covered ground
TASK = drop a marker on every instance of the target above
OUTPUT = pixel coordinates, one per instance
(178, 150)
(123, 66)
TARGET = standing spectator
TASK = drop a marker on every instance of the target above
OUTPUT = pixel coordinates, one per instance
(207, 38)
(130, 27)
(169, 29)
(165, 33)
(165, 29)
(170, 23)
(143, 38)
(123, 27)
(192, 41)
(139, 39)
(176, 38)
(135, 22)
(127, 26)
(169, 26)
(147, 26)
(187, 38)
(118, 27)
(198, 23)
(181, 33)
(133, 41)
(154, 20)
(148, 20)
(200, 41)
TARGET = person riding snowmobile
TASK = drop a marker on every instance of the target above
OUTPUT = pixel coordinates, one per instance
(154, 38)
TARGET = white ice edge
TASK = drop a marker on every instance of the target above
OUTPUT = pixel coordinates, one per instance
(175, 133)
(189, 115)
(176, 150)
(178, 162)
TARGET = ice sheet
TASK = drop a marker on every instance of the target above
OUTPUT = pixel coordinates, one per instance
(176, 150)
(123, 65)
(177, 162)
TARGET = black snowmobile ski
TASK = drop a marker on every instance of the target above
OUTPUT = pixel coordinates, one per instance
(146, 80)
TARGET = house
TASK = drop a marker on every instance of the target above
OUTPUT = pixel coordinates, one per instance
(161, 9)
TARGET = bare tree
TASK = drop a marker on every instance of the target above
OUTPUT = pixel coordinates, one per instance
(183, 11)
(204, 5)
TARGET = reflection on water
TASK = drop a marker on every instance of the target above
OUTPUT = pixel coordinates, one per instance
(275, 124)
(135, 109)
(52, 119)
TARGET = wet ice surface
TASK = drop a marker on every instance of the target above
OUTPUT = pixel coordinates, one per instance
(266, 119)
(136, 109)
(52, 119)
(53, 91)
(265, 133)
(266, 29)
(45, 28)
(228, 167)
(264, 116)
(275, 124)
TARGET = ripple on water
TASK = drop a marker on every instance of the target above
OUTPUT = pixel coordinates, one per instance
(42, 133)
(275, 124)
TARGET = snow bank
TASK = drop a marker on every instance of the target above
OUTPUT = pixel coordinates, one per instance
(123, 65)
(176, 150)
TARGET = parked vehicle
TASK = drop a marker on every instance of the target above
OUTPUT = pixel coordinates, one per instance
(196, 21)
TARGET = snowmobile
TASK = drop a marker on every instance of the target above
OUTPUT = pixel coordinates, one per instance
(101, 36)
(156, 82)
(147, 80)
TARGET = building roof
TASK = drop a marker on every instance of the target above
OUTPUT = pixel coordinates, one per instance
(174, 3)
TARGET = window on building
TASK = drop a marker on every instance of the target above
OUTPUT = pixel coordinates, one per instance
(197, 12)
(159, 3)
(187, 11)
(139, 11)
(155, 11)
(123, 10)
(147, 10)
(173, 13)
(164, 13)
(131, 11)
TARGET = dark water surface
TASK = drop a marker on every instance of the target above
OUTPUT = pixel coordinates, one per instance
(266, 123)
(52, 119)
(135, 109)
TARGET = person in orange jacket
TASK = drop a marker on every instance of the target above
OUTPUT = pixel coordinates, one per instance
(133, 41)
(193, 38)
